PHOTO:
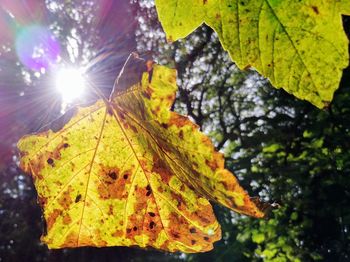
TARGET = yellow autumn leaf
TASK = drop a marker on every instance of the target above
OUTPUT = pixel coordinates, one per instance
(128, 171)
(299, 45)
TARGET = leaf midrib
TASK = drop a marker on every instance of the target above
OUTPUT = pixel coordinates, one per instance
(89, 173)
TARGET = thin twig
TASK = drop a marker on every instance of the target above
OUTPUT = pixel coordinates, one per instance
(133, 54)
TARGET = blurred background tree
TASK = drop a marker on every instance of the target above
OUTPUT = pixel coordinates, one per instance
(280, 148)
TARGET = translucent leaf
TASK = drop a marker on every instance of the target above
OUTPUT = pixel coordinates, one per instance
(299, 45)
(129, 172)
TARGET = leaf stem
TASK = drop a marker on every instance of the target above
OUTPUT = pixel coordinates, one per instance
(134, 55)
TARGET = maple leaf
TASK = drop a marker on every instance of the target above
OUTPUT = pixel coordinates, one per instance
(299, 45)
(128, 171)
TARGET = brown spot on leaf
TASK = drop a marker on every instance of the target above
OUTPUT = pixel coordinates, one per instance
(152, 231)
(71, 240)
(164, 125)
(315, 9)
(152, 225)
(118, 233)
(204, 219)
(67, 220)
(161, 168)
(121, 115)
(77, 198)
(182, 188)
(157, 109)
(56, 154)
(112, 185)
(42, 201)
(66, 200)
(249, 66)
(110, 210)
(137, 219)
(160, 189)
(51, 219)
(212, 164)
(217, 162)
(170, 98)
(204, 214)
(178, 228)
(133, 128)
(63, 145)
(178, 198)
(100, 242)
(207, 141)
(179, 120)
(145, 94)
(165, 245)
(148, 92)
(113, 175)
(149, 190)
(228, 181)
(50, 161)
(181, 134)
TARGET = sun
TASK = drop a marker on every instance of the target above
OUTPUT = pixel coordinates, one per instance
(70, 83)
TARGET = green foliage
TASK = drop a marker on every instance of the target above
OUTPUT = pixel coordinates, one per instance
(302, 163)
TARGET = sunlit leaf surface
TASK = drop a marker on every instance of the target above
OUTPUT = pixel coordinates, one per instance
(132, 173)
(299, 45)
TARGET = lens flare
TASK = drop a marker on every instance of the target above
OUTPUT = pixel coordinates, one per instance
(37, 48)
(70, 83)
